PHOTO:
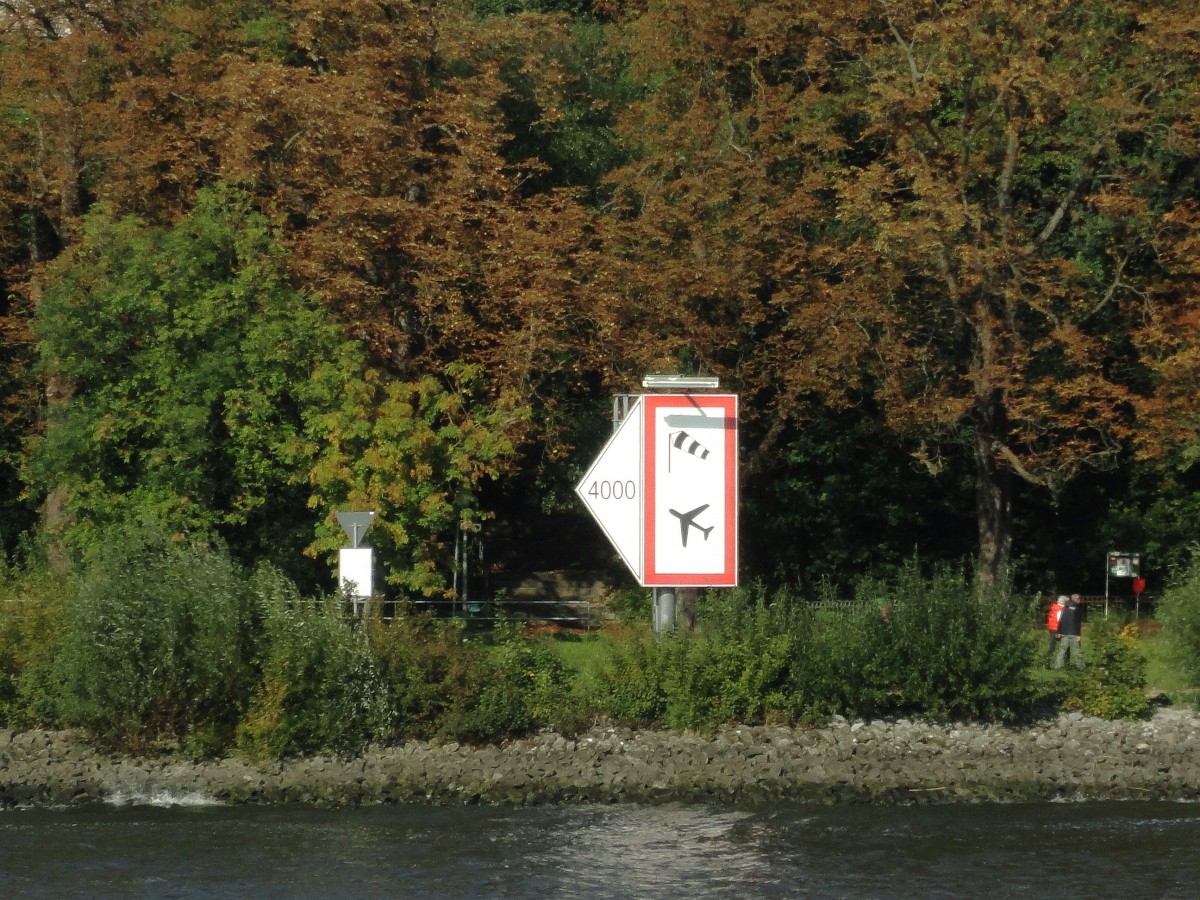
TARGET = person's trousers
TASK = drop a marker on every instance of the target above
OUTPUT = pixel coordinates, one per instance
(1069, 643)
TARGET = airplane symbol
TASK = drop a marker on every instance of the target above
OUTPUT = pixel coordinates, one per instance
(688, 520)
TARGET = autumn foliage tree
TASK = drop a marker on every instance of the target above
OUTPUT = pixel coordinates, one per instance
(374, 138)
(963, 211)
(972, 220)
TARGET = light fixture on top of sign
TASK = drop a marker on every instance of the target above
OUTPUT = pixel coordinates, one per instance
(681, 382)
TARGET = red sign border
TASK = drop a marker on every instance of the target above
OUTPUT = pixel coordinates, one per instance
(651, 577)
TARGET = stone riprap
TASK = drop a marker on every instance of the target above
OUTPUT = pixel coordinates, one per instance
(895, 762)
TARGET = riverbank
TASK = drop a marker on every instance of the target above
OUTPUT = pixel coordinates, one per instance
(889, 762)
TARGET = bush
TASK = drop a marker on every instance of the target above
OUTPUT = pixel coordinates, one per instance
(843, 667)
(32, 605)
(428, 669)
(744, 664)
(632, 679)
(915, 646)
(159, 644)
(523, 686)
(321, 689)
(632, 606)
(1179, 612)
(1113, 685)
(944, 651)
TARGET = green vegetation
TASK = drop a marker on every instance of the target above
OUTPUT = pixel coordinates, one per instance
(932, 648)
(197, 376)
(161, 642)
(1177, 647)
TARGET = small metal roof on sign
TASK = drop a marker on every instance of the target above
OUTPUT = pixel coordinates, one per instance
(681, 382)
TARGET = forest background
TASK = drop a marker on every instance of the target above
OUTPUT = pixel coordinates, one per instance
(260, 261)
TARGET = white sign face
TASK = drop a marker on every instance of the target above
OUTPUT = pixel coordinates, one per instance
(612, 490)
(691, 490)
(356, 572)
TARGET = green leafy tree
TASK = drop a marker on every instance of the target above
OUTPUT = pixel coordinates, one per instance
(194, 365)
(417, 453)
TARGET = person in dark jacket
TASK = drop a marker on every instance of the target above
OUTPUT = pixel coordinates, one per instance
(1070, 626)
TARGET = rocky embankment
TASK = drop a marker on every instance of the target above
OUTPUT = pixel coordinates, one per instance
(1068, 757)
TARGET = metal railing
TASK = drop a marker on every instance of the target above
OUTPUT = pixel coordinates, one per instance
(567, 613)
(1138, 604)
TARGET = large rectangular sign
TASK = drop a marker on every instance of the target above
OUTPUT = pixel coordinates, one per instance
(691, 477)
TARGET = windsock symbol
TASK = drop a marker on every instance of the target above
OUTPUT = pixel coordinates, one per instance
(681, 440)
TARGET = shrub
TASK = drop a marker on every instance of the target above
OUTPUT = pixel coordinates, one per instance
(945, 651)
(428, 670)
(1113, 685)
(843, 668)
(1179, 612)
(158, 644)
(321, 689)
(32, 605)
(632, 606)
(742, 665)
(632, 680)
(524, 686)
(914, 645)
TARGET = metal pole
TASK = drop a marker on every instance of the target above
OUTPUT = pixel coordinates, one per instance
(664, 610)
(457, 552)
(1107, 568)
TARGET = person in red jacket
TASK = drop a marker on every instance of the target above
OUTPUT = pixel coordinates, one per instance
(1052, 617)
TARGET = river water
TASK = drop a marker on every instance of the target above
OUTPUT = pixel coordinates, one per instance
(184, 847)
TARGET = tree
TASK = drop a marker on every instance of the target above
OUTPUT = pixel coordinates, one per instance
(959, 209)
(418, 453)
(374, 137)
(195, 368)
(213, 397)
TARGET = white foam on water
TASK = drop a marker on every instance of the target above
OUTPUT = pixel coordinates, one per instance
(161, 798)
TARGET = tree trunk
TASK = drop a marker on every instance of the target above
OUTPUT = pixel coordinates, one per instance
(993, 507)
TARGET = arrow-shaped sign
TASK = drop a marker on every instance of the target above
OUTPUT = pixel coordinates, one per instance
(612, 489)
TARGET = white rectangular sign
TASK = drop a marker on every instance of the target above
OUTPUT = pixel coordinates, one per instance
(691, 509)
(356, 572)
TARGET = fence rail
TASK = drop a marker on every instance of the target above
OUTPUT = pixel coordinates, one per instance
(571, 613)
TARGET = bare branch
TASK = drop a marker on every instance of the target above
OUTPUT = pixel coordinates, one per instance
(1011, 458)
(1085, 174)
(943, 264)
(913, 72)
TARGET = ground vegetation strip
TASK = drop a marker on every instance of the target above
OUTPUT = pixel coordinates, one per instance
(163, 646)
